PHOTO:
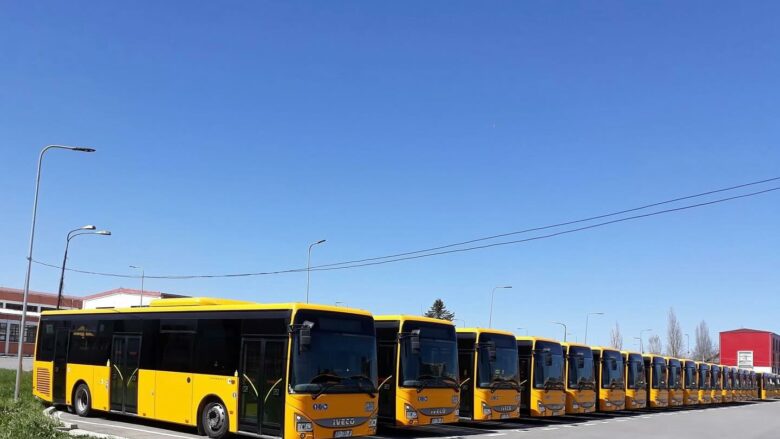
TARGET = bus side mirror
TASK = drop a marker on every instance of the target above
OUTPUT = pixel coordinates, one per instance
(414, 341)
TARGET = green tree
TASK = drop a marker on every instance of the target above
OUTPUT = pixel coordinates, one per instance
(439, 311)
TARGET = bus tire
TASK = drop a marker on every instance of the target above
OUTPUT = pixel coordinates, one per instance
(82, 401)
(214, 419)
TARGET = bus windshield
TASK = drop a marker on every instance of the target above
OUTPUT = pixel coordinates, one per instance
(715, 381)
(339, 357)
(435, 363)
(659, 373)
(497, 361)
(704, 377)
(674, 374)
(611, 370)
(548, 365)
(690, 375)
(636, 372)
(580, 368)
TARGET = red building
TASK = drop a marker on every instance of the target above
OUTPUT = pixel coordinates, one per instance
(11, 300)
(750, 349)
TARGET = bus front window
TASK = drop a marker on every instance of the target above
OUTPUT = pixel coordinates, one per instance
(715, 382)
(338, 355)
(497, 366)
(674, 375)
(690, 376)
(612, 370)
(659, 374)
(435, 362)
(548, 365)
(636, 372)
(580, 366)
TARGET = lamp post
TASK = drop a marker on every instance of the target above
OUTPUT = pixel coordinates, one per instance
(492, 294)
(308, 267)
(143, 273)
(641, 345)
(564, 330)
(88, 230)
(30, 254)
(587, 316)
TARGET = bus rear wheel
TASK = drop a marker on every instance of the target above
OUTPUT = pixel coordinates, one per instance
(82, 401)
(214, 419)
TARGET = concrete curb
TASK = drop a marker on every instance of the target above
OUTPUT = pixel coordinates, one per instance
(72, 428)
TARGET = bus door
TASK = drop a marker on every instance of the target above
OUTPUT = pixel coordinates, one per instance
(467, 379)
(125, 362)
(262, 389)
(61, 339)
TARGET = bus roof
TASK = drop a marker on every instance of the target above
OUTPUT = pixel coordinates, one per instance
(535, 339)
(604, 348)
(570, 344)
(413, 318)
(185, 304)
(484, 331)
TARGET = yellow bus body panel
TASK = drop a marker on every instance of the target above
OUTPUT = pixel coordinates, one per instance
(611, 400)
(690, 397)
(147, 381)
(554, 402)
(223, 387)
(585, 400)
(659, 398)
(43, 379)
(636, 399)
(338, 406)
(439, 400)
(173, 397)
(503, 404)
(705, 396)
(675, 397)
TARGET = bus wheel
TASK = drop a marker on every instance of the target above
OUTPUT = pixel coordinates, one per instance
(214, 419)
(82, 400)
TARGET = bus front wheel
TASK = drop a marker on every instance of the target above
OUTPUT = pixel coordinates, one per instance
(214, 419)
(82, 401)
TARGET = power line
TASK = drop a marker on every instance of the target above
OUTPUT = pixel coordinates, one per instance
(430, 252)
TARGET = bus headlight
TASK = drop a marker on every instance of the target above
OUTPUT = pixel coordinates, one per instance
(455, 400)
(540, 406)
(486, 411)
(574, 405)
(369, 407)
(303, 424)
(411, 413)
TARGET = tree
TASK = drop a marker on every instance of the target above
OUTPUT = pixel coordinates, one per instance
(674, 336)
(439, 311)
(654, 345)
(704, 350)
(616, 338)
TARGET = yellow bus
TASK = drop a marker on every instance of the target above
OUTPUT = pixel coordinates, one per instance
(690, 383)
(655, 368)
(727, 384)
(541, 371)
(610, 381)
(739, 387)
(753, 393)
(580, 379)
(418, 370)
(705, 392)
(487, 359)
(716, 384)
(636, 386)
(286, 370)
(674, 381)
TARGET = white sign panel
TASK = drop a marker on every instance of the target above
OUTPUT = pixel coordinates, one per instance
(745, 359)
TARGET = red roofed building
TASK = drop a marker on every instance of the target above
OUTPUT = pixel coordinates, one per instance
(11, 300)
(751, 349)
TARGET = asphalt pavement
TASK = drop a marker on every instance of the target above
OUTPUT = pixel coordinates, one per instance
(757, 420)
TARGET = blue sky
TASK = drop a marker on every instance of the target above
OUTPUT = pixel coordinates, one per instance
(232, 135)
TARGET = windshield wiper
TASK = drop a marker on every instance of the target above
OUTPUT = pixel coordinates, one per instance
(363, 378)
(323, 388)
(553, 384)
(499, 382)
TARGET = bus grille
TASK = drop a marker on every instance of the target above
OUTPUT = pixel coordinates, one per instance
(43, 381)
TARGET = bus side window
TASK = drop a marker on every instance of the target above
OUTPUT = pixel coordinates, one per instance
(45, 342)
(218, 346)
(176, 345)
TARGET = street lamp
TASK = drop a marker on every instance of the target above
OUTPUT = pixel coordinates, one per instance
(641, 345)
(85, 230)
(587, 316)
(308, 267)
(492, 294)
(30, 254)
(140, 302)
(564, 330)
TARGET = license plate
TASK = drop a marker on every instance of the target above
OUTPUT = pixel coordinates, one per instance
(436, 420)
(342, 433)
(505, 416)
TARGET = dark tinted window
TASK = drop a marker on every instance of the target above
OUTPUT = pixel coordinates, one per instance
(218, 345)
(175, 345)
(45, 342)
(83, 341)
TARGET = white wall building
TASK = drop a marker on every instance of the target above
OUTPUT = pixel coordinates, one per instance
(123, 298)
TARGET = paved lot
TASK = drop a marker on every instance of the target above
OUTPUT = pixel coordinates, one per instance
(759, 420)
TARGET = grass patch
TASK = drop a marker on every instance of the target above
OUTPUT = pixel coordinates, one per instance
(25, 418)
